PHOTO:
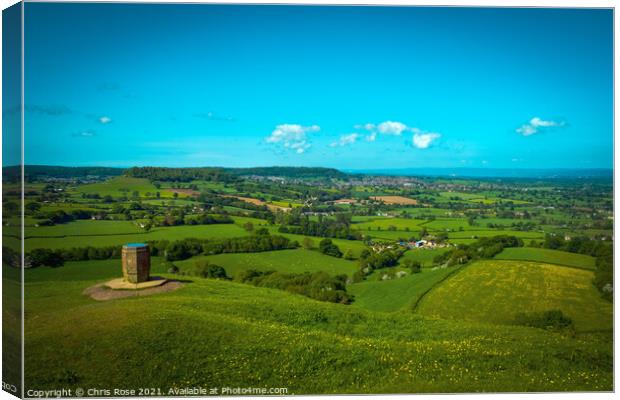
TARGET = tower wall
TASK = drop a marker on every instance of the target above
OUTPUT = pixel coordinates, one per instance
(136, 263)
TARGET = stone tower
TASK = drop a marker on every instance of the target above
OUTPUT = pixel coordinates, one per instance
(136, 262)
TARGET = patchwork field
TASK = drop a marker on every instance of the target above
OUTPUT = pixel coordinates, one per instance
(495, 291)
(444, 329)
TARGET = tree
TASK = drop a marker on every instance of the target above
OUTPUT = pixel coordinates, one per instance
(175, 195)
(248, 226)
(147, 226)
(413, 265)
(308, 243)
(327, 247)
(348, 255)
(205, 269)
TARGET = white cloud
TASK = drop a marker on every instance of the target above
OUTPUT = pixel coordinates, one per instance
(423, 140)
(392, 128)
(346, 140)
(535, 124)
(372, 137)
(105, 120)
(368, 127)
(292, 136)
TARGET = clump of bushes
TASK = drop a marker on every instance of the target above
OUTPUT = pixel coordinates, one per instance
(327, 247)
(413, 265)
(317, 285)
(550, 320)
(487, 247)
(205, 269)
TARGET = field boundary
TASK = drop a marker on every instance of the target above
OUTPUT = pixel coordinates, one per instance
(427, 291)
(547, 262)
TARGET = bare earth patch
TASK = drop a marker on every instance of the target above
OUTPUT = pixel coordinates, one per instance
(100, 292)
(259, 202)
(396, 200)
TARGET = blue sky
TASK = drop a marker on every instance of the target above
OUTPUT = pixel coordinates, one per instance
(345, 87)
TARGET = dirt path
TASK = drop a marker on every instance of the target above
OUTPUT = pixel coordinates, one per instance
(102, 293)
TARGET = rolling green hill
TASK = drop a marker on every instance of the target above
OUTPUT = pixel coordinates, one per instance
(215, 333)
(496, 291)
(547, 256)
(396, 294)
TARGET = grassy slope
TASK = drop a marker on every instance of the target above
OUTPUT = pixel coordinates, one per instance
(396, 294)
(495, 291)
(297, 261)
(214, 334)
(548, 256)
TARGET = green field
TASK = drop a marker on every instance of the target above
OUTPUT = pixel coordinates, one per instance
(396, 294)
(84, 228)
(110, 239)
(384, 223)
(213, 333)
(547, 256)
(445, 329)
(495, 291)
(124, 186)
(424, 256)
(292, 261)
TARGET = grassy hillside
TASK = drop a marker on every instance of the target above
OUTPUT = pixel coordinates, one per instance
(495, 291)
(295, 261)
(213, 334)
(547, 256)
(396, 294)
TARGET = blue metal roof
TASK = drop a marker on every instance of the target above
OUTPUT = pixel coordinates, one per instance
(136, 245)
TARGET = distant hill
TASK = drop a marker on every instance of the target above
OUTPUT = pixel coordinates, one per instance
(41, 171)
(290, 172)
(533, 173)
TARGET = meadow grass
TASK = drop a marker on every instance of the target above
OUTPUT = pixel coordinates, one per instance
(288, 261)
(213, 333)
(548, 256)
(398, 293)
(424, 256)
(496, 291)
